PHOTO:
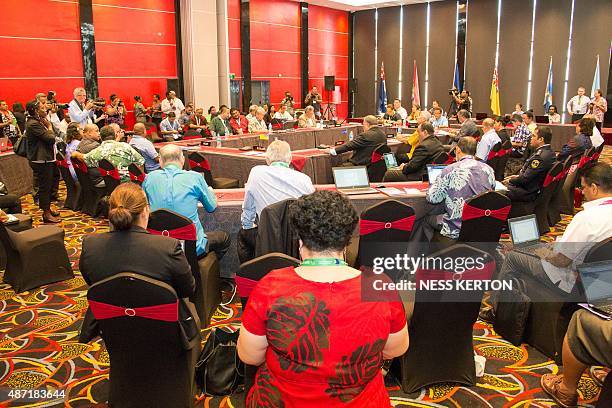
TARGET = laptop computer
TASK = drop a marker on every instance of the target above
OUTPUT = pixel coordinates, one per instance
(352, 180)
(542, 119)
(525, 234)
(433, 171)
(390, 160)
(596, 280)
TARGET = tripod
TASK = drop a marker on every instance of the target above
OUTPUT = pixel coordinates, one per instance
(328, 113)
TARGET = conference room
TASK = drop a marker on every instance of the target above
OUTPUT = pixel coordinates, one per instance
(283, 203)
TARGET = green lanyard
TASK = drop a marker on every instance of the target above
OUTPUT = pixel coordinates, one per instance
(280, 164)
(323, 262)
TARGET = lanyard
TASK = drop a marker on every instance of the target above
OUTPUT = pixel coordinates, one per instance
(323, 262)
(280, 164)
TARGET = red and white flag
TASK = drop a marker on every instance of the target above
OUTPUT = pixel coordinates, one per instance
(416, 96)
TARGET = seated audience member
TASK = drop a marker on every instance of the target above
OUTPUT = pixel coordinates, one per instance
(579, 143)
(198, 123)
(399, 109)
(438, 121)
(329, 292)
(518, 109)
(185, 118)
(526, 185)
(268, 185)
(120, 154)
(308, 118)
(74, 134)
(220, 126)
(238, 123)
(529, 121)
(252, 112)
(258, 124)
(555, 264)
(128, 247)
(145, 147)
(428, 148)
(521, 137)
(553, 114)
(488, 139)
(90, 139)
(586, 343)
(169, 128)
(270, 115)
(415, 112)
(391, 116)
(456, 184)
(180, 191)
(212, 112)
(501, 128)
(363, 144)
(413, 138)
(468, 127)
(283, 114)
(596, 138)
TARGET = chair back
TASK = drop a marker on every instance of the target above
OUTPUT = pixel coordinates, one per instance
(586, 157)
(554, 206)
(198, 162)
(136, 174)
(492, 158)
(602, 251)
(253, 271)
(546, 194)
(110, 174)
(80, 168)
(275, 232)
(138, 317)
(502, 154)
(598, 152)
(73, 190)
(484, 217)
(441, 158)
(378, 166)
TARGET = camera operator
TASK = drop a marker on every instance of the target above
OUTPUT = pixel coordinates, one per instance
(288, 102)
(115, 111)
(80, 109)
(313, 98)
(462, 100)
(99, 109)
(59, 108)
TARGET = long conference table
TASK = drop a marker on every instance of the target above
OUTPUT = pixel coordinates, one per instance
(229, 208)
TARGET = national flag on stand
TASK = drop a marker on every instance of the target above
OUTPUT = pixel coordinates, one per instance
(548, 94)
(495, 94)
(456, 84)
(595, 79)
(416, 96)
(382, 91)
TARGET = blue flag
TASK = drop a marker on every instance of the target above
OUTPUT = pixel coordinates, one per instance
(456, 84)
(548, 94)
(382, 91)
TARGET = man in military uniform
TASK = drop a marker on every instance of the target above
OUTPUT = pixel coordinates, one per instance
(526, 185)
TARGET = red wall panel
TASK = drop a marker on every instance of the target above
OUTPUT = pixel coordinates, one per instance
(233, 15)
(130, 60)
(276, 12)
(151, 27)
(165, 5)
(40, 19)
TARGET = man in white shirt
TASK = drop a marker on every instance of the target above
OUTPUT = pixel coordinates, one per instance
(80, 109)
(578, 105)
(283, 113)
(258, 124)
(252, 112)
(555, 264)
(488, 140)
(399, 109)
(268, 185)
(172, 104)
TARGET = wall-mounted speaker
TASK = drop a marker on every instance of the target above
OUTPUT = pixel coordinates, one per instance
(330, 82)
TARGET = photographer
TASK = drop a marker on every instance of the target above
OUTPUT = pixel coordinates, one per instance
(313, 98)
(115, 111)
(288, 102)
(80, 109)
(99, 109)
(59, 107)
(155, 112)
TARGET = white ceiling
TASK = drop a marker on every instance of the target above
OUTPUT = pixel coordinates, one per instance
(354, 5)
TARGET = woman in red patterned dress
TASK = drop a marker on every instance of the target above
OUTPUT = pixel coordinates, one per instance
(318, 343)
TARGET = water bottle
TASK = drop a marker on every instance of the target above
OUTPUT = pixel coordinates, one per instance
(321, 123)
(399, 131)
(350, 136)
(269, 129)
(218, 140)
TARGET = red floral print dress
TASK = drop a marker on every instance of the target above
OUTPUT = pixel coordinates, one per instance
(324, 344)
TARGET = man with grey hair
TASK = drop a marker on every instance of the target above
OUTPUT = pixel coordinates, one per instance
(363, 144)
(268, 185)
(80, 109)
(258, 124)
(488, 140)
(252, 112)
(308, 118)
(180, 191)
(468, 127)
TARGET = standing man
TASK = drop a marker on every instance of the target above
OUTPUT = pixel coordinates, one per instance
(363, 144)
(80, 109)
(172, 104)
(578, 105)
(488, 140)
(313, 98)
(220, 124)
(399, 109)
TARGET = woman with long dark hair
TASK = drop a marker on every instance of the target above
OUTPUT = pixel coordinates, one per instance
(41, 154)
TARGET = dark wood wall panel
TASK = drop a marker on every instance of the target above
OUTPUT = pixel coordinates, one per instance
(364, 40)
(514, 43)
(388, 47)
(480, 48)
(441, 49)
(414, 44)
(550, 39)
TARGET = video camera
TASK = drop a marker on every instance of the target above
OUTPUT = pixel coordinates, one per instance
(51, 100)
(453, 92)
(99, 103)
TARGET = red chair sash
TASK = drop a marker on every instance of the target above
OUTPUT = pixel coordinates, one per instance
(114, 173)
(137, 177)
(81, 166)
(298, 162)
(245, 286)
(167, 312)
(584, 160)
(470, 274)
(368, 226)
(470, 212)
(450, 160)
(376, 157)
(186, 233)
(550, 179)
(202, 164)
(499, 153)
(62, 163)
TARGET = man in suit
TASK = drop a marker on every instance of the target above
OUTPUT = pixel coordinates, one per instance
(364, 144)
(468, 127)
(526, 185)
(428, 148)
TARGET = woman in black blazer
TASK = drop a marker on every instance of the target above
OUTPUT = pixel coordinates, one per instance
(41, 154)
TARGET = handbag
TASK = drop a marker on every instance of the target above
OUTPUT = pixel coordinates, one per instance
(21, 146)
(219, 370)
(512, 312)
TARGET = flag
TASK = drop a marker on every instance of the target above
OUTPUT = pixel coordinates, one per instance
(456, 77)
(495, 94)
(595, 79)
(382, 91)
(416, 96)
(548, 93)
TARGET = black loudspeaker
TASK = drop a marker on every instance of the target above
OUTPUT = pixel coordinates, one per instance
(353, 85)
(173, 85)
(330, 82)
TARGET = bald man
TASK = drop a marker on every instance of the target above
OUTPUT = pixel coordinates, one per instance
(489, 139)
(144, 146)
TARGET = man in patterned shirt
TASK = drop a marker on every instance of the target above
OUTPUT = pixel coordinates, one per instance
(120, 154)
(522, 136)
(457, 183)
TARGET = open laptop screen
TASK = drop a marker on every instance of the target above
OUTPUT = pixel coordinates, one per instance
(433, 171)
(596, 280)
(351, 177)
(524, 229)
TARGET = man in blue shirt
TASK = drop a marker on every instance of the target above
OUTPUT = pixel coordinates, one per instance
(488, 140)
(145, 147)
(180, 191)
(437, 120)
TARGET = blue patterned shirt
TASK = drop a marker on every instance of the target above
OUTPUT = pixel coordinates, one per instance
(457, 183)
(522, 134)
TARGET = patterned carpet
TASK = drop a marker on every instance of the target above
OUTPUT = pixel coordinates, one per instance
(39, 347)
